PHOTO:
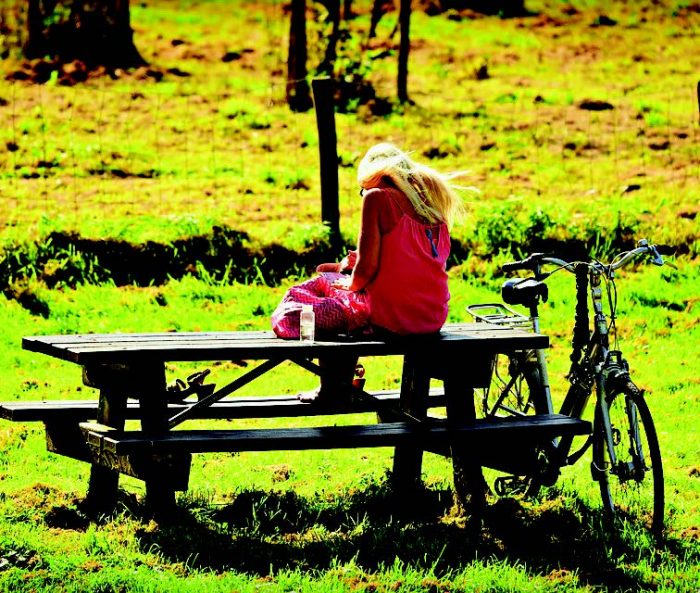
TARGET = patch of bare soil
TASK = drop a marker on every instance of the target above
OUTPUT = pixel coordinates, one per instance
(43, 70)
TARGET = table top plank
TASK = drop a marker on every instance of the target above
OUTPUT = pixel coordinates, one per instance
(200, 346)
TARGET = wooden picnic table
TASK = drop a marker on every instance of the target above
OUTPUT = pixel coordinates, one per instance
(129, 371)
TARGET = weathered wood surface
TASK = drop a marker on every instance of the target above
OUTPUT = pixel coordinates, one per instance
(332, 437)
(124, 366)
(276, 406)
(456, 340)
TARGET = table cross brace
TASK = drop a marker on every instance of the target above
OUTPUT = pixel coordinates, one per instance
(235, 385)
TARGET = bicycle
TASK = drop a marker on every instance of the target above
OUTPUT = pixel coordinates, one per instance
(626, 460)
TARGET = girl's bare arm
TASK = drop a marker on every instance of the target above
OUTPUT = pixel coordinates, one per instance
(368, 244)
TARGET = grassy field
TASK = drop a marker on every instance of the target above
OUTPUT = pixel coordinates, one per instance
(190, 202)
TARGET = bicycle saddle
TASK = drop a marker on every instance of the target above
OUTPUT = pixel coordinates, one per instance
(524, 291)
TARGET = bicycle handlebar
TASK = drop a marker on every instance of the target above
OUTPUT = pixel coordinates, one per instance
(529, 263)
(534, 261)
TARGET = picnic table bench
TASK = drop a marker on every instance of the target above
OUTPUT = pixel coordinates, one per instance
(129, 372)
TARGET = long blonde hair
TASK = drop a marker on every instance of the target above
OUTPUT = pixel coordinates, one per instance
(430, 192)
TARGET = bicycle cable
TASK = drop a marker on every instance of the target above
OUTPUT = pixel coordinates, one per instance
(612, 304)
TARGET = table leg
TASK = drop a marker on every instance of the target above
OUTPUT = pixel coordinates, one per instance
(415, 385)
(160, 494)
(104, 482)
(470, 487)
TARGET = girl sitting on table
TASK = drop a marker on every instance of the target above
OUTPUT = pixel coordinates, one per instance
(395, 283)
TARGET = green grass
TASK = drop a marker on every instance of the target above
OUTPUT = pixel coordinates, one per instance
(131, 160)
(326, 519)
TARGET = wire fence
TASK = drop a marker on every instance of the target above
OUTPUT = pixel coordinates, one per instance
(130, 153)
(69, 152)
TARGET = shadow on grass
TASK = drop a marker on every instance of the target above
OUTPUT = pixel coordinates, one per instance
(263, 531)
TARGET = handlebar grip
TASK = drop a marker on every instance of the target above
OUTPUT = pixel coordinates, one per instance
(529, 263)
(513, 266)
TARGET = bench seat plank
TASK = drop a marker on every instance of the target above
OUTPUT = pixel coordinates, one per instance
(332, 437)
(283, 406)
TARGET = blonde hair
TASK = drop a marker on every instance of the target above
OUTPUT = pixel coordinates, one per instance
(430, 192)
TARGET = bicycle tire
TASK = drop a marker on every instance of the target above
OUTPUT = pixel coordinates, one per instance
(635, 487)
(519, 375)
(516, 381)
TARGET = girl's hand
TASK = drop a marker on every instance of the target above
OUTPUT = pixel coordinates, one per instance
(342, 283)
(347, 264)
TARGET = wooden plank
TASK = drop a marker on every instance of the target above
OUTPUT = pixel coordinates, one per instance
(103, 485)
(160, 492)
(170, 469)
(66, 438)
(469, 485)
(283, 406)
(333, 437)
(114, 348)
(96, 338)
(63, 339)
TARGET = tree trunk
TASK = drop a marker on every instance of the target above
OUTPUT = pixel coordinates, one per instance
(404, 47)
(379, 8)
(96, 32)
(124, 34)
(326, 66)
(323, 89)
(298, 94)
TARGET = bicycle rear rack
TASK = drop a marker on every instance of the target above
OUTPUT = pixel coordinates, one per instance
(498, 314)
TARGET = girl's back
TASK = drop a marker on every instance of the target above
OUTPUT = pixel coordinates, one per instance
(409, 294)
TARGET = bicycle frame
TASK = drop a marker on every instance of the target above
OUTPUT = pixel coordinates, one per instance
(588, 374)
(597, 365)
(596, 362)
(626, 459)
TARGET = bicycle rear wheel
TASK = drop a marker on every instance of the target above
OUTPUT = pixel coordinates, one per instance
(516, 389)
(631, 486)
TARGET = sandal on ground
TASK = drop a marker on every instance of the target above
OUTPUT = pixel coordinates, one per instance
(179, 390)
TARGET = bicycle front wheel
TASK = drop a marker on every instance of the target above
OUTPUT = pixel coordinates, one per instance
(630, 475)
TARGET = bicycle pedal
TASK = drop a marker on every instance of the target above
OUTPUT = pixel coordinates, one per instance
(510, 485)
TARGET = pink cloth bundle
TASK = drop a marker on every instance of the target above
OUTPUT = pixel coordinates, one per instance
(337, 311)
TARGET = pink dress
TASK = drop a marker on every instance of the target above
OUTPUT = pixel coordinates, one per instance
(409, 294)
